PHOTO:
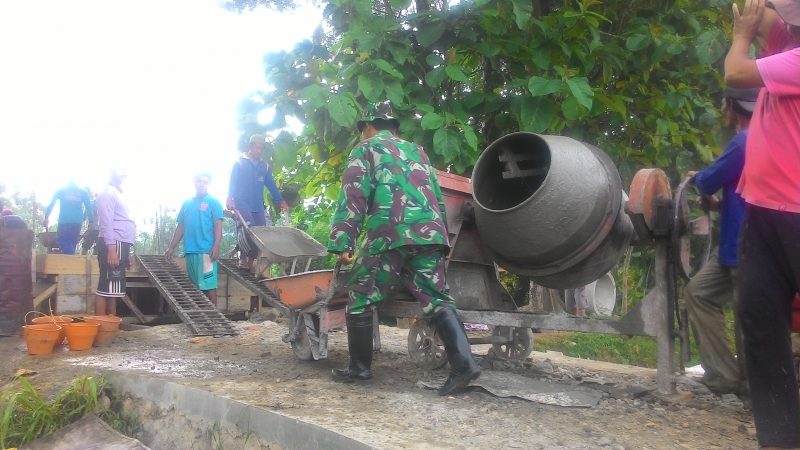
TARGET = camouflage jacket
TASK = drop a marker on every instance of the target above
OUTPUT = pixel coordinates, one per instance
(390, 189)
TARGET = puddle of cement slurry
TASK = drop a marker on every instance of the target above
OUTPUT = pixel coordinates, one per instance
(159, 362)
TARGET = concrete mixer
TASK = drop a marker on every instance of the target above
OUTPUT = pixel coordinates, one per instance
(549, 208)
(553, 209)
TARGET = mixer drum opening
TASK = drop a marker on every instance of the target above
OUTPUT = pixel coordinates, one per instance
(513, 171)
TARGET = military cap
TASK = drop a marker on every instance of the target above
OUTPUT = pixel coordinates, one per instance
(378, 111)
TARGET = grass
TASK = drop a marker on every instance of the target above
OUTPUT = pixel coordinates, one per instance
(635, 350)
(632, 350)
(27, 415)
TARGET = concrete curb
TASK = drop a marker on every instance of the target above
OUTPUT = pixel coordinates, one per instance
(287, 432)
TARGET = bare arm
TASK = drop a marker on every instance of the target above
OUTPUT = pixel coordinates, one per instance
(740, 70)
(217, 239)
(176, 237)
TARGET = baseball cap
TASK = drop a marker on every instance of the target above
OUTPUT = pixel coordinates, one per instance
(789, 10)
(745, 98)
(378, 111)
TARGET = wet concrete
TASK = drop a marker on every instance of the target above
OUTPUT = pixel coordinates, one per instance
(201, 387)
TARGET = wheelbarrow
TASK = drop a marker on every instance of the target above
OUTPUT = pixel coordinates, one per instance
(293, 249)
(48, 240)
(312, 300)
(316, 303)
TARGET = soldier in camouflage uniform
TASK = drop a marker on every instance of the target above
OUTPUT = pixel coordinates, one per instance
(389, 190)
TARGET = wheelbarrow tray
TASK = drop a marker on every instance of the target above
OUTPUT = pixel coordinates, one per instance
(283, 244)
(302, 290)
(48, 239)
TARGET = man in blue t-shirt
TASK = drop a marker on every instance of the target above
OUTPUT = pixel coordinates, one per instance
(200, 227)
(249, 176)
(75, 206)
(714, 286)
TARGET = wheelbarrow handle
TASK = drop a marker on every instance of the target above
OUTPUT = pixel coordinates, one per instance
(241, 220)
(287, 218)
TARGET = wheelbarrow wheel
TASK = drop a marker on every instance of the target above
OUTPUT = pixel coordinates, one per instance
(425, 347)
(519, 347)
(307, 338)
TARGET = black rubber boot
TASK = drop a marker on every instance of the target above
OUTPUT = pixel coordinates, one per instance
(463, 367)
(359, 341)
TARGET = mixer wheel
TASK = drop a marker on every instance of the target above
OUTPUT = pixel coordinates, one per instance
(518, 348)
(425, 347)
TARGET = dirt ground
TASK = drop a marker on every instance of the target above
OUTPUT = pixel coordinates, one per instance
(395, 410)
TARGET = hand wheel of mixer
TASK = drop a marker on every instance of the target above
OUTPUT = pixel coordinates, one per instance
(691, 229)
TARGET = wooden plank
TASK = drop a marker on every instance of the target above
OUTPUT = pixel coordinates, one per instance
(133, 308)
(53, 263)
(44, 296)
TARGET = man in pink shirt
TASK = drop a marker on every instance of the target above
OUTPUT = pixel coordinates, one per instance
(769, 249)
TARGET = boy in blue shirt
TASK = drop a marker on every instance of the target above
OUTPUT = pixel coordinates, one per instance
(200, 227)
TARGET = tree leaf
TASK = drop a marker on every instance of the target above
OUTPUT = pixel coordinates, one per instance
(435, 77)
(637, 42)
(456, 74)
(424, 107)
(434, 59)
(541, 57)
(536, 114)
(522, 12)
(570, 109)
(543, 86)
(471, 137)
(489, 48)
(343, 110)
(387, 67)
(429, 34)
(432, 121)
(579, 86)
(315, 95)
(371, 86)
(708, 47)
(445, 143)
(394, 92)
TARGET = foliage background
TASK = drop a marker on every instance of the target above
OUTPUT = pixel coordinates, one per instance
(639, 79)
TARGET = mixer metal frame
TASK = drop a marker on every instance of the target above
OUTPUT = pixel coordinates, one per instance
(480, 297)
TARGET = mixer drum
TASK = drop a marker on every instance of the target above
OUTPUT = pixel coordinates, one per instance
(551, 208)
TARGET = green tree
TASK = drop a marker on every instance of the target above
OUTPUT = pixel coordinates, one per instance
(639, 79)
(27, 207)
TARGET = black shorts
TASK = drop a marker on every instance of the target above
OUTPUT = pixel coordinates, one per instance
(112, 280)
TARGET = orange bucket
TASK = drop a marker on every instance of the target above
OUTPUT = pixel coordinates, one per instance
(59, 320)
(80, 335)
(108, 328)
(41, 337)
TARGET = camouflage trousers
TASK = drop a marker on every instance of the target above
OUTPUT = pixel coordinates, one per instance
(419, 268)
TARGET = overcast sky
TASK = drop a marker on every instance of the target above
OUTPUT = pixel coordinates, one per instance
(150, 86)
